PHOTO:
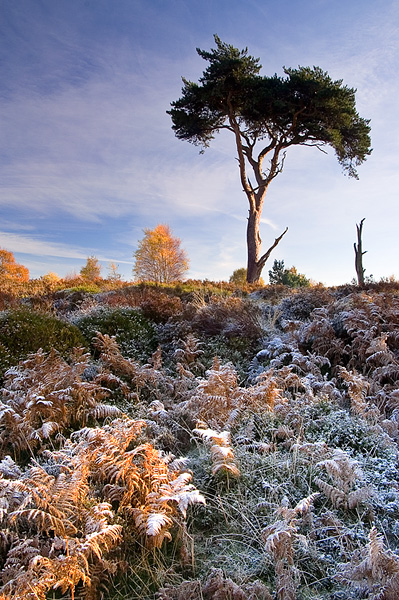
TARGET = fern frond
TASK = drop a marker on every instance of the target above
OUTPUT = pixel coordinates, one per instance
(104, 411)
(47, 430)
(337, 496)
(221, 438)
(223, 459)
(387, 374)
(181, 492)
(359, 496)
(305, 504)
(44, 521)
(153, 525)
(378, 572)
(99, 541)
(358, 387)
(278, 540)
(343, 470)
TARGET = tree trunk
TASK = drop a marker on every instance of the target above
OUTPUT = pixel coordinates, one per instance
(255, 261)
(253, 245)
(255, 196)
(359, 255)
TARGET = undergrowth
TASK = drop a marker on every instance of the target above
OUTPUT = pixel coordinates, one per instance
(202, 446)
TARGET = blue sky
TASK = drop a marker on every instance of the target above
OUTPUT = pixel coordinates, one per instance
(88, 158)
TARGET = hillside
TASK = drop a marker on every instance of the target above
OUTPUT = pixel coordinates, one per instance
(186, 443)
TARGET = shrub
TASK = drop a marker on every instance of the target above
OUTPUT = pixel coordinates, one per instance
(24, 331)
(89, 288)
(239, 276)
(159, 307)
(278, 274)
(300, 306)
(134, 334)
(231, 317)
(7, 300)
(155, 304)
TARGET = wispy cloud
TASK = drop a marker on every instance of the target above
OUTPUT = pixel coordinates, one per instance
(104, 148)
(35, 246)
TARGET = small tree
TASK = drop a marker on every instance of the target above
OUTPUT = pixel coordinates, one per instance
(159, 257)
(10, 270)
(239, 276)
(50, 277)
(279, 275)
(92, 269)
(276, 273)
(266, 116)
(113, 273)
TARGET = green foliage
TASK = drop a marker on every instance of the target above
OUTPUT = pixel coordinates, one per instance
(134, 334)
(89, 288)
(279, 275)
(5, 359)
(23, 331)
(239, 276)
(304, 107)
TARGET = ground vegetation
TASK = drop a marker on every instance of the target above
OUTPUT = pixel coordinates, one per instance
(200, 441)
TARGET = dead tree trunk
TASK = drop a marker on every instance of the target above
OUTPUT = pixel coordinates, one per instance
(359, 255)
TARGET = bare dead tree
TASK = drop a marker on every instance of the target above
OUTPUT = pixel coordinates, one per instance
(359, 255)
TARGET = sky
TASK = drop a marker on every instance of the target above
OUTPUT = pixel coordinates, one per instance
(88, 158)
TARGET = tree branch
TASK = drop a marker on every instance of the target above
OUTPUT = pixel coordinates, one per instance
(241, 158)
(265, 256)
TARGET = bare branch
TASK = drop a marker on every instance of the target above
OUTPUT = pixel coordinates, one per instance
(263, 259)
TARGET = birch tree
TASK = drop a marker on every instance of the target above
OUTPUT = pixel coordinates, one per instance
(159, 256)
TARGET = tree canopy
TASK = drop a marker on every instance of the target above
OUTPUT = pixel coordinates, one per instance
(10, 270)
(159, 256)
(267, 115)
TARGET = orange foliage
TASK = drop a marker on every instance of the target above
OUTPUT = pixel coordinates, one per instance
(10, 270)
(159, 257)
